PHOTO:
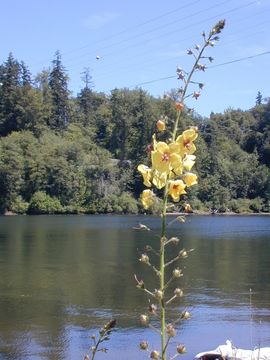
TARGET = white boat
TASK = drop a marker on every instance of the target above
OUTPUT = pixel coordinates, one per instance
(230, 352)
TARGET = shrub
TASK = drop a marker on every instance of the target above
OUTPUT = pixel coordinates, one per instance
(19, 206)
(41, 203)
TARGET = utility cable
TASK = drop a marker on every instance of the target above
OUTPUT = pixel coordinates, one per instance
(210, 67)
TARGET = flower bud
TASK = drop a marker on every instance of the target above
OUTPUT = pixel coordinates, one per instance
(154, 354)
(144, 319)
(152, 309)
(185, 315)
(179, 106)
(144, 259)
(170, 330)
(187, 208)
(148, 248)
(189, 52)
(178, 292)
(177, 273)
(144, 345)
(161, 125)
(181, 349)
(150, 148)
(158, 294)
(174, 240)
(196, 94)
(183, 254)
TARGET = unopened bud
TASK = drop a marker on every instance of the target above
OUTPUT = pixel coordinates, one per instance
(201, 85)
(152, 309)
(143, 345)
(185, 315)
(177, 273)
(170, 330)
(197, 47)
(161, 125)
(174, 240)
(158, 294)
(187, 208)
(154, 354)
(144, 259)
(181, 349)
(183, 254)
(144, 319)
(179, 106)
(196, 94)
(149, 148)
(178, 292)
(189, 52)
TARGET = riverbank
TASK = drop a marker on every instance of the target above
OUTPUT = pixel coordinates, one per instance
(194, 213)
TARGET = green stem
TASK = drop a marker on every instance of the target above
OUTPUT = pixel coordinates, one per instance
(162, 274)
(164, 342)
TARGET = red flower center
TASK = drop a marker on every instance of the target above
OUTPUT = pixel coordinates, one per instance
(165, 157)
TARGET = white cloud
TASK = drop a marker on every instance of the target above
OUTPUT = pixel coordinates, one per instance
(97, 21)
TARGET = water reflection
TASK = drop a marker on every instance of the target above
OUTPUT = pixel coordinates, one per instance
(62, 277)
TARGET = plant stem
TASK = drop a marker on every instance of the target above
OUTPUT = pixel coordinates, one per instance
(162, 274)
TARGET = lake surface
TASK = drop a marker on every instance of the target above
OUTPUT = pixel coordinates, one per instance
(63, 277)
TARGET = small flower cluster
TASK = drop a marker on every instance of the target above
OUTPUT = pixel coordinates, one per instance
(171, 165)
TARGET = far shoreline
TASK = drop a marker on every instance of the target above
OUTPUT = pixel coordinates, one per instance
(194, 213)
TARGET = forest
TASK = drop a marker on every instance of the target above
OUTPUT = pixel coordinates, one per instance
(61, 153)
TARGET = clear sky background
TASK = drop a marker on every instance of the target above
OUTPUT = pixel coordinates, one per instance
(142, 41)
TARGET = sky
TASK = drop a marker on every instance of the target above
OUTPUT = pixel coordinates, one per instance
(140, 44)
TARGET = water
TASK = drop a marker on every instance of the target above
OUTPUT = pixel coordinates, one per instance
(62, 277)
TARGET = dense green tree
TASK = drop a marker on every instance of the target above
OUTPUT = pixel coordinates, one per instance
(58, 83)
(259, 98)
(10, 81)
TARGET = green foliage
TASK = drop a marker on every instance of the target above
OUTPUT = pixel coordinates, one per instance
(19, 206)
(84, 150)
(41, 203)
(122, 204)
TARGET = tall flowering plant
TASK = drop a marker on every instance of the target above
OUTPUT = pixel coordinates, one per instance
(171, 170)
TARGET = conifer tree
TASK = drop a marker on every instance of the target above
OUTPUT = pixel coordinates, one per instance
(259, 98)
(10, 77)
(58, 83)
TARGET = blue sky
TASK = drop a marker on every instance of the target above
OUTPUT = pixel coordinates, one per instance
(142, 41)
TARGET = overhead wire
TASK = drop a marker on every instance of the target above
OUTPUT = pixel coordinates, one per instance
(128, 29)
(210, 67)
(181, 53)
(183, 28)
(129, 38)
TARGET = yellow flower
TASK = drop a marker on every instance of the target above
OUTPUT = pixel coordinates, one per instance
(147, 198)
(165, 159)
(188, 162)
(190, 179)
(161, 125)
(159, 179)
(146, 173)
(176, 189)
(186, 141)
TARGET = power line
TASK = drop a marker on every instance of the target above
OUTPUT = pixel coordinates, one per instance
(186, 27)
(150, 61)
(128, 39)
(240, 59)
(128, 29)
(210, 67)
